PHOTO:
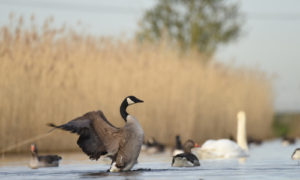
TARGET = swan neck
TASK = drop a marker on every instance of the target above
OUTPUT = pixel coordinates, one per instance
(241, 133)
(123, 112)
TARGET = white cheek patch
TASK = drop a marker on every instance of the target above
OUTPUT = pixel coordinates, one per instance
(129, 101)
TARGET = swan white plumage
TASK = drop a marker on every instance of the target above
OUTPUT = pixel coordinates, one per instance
(225, 148)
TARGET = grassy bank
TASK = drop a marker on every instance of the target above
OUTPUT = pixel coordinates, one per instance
(55, 75)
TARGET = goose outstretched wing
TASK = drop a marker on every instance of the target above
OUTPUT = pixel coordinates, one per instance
(97, 136)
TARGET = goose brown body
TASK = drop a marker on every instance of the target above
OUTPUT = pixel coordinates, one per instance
(97, 136)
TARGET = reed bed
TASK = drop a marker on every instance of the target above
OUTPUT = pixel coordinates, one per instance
(55, 75)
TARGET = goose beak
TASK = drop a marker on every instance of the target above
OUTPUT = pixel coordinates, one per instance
(197, 145)
(138, 101)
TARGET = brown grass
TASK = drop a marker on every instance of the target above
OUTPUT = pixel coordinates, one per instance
(55, 75)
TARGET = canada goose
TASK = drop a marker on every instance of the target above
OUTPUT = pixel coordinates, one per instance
(225, 148)
(287, 140)
(178, 147)
(99, 137)
(42, 161)
(186, 159)
(296, 154)
(154, 146)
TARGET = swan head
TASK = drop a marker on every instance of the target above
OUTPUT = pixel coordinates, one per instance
(241, 115)
(132, 100)
(241, 130)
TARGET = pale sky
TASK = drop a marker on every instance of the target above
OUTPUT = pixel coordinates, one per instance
(271, 40)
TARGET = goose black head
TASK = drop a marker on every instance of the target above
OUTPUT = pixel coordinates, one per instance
(132, 100)
(178, 142)
(129, 100)
(178, 138)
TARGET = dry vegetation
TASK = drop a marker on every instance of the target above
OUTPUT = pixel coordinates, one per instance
(55, 75)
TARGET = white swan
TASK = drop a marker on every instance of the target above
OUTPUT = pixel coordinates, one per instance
(225, 148)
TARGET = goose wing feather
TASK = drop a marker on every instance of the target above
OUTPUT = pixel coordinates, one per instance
(97, 136)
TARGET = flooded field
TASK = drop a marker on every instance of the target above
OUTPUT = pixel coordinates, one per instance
(267, 161)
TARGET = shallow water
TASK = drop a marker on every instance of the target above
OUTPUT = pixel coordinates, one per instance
(267, 161)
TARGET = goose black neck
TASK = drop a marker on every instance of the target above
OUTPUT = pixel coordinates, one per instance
(123, 112)
(178, 145)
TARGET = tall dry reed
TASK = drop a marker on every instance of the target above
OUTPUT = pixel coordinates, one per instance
(55, 75)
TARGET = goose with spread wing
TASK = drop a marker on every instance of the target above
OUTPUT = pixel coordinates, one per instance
(97, 136)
